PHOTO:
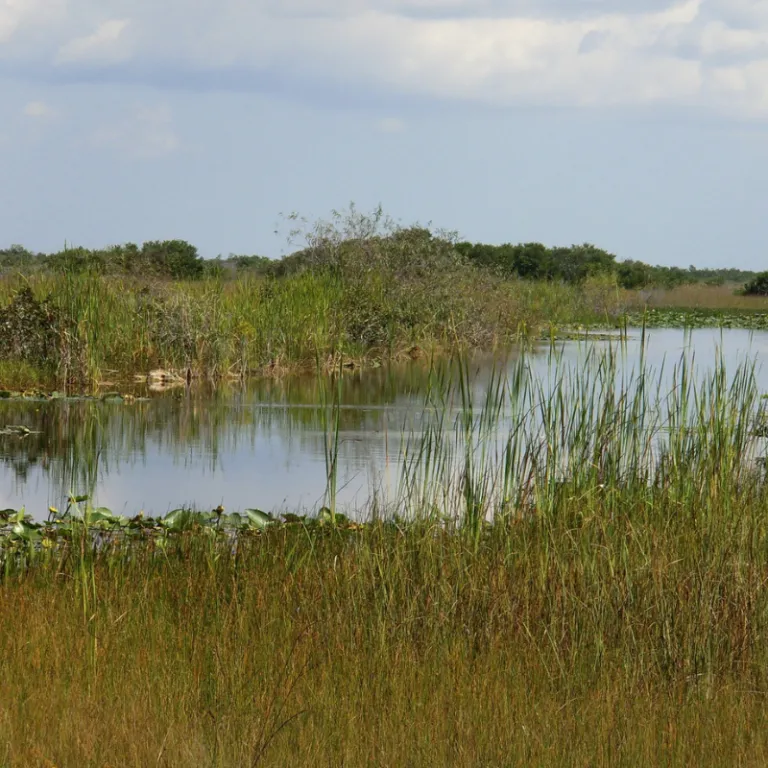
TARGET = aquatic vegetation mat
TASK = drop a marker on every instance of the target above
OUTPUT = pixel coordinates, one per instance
(699, 318)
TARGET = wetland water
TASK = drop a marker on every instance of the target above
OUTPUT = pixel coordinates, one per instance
(262, 444)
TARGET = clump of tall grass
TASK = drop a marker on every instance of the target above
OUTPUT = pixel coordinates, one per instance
(520, 442)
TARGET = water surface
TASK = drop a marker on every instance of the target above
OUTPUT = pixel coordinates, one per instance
(263, 444)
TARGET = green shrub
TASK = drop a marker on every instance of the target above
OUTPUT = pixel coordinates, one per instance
(758, 286)
(28, 329)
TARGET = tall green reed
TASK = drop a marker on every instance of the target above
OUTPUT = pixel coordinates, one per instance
(330, 413)
(605, 424)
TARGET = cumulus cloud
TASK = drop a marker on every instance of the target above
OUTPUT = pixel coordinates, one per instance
(704, 53)
(106, 44)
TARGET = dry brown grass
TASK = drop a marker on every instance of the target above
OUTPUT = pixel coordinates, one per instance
(386, 649)
(696, 296)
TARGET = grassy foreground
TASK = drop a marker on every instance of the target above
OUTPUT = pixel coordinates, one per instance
(605, 640)
(574, 573)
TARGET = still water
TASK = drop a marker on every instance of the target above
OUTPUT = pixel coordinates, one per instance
(263, 444)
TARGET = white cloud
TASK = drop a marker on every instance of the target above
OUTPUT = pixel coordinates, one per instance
(106, 44)
(38, 110)
(740, 13)
(27, 15)
(146, 132)
(705, 53)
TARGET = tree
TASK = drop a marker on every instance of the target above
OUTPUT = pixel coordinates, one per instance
(577, 263)
(758, 286)
(177, 259)
(531, 260)
(77, 259)
(633, 275)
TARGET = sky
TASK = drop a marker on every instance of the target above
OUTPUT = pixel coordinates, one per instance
(638, 125)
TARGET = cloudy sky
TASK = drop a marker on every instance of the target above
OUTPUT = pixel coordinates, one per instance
(639, 125)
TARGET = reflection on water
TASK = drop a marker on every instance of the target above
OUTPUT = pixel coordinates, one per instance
(263, 444)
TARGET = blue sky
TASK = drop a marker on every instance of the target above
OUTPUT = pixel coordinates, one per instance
(639, 126)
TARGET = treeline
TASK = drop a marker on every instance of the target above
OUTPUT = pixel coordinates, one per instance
(576, 263)
(180, 260)
(174, 259)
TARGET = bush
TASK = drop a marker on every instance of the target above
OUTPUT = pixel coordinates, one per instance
(173, 258)
(17, 257)
(758, 286)
(28, 329)
(633, 275)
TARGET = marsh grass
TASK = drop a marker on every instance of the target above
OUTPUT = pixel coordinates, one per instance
(574, 573)
(697, 296)
(602, 642)
(19, 375)
(357, 288)
(369, 309)
(356, 307)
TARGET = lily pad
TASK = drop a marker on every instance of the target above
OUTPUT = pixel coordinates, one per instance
(259, 519)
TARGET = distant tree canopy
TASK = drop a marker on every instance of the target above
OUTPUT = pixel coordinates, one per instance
(633, 275)
(169, 259)
(175, 259)
(245, 263)
(18, 257)
(534, 261)
(406, 251)
(574, 264)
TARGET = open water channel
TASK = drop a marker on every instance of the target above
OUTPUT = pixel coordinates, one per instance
(263, 444)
